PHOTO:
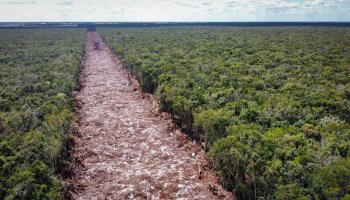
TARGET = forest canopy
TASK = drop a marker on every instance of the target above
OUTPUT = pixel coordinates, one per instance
(271, 104)
(38, 72)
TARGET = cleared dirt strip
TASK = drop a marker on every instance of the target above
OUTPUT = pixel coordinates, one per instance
(123, 147)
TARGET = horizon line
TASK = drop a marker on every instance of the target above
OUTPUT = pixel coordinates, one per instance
(174, 21)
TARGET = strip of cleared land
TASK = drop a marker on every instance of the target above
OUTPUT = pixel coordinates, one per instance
(127, 149)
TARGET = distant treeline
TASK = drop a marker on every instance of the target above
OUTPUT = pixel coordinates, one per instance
(161, 24)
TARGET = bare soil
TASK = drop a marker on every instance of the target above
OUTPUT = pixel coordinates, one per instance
(123, 147)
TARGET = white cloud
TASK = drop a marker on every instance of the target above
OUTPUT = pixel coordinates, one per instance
(20, 2)
(173, 10)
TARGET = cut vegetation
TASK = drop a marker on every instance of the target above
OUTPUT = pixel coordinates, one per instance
(124, 148)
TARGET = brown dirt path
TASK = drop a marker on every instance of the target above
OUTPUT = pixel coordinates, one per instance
(126, 148)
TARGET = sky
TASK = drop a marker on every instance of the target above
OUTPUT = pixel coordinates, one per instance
(173, 10)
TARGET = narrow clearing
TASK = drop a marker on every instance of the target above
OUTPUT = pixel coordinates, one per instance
(126, 148)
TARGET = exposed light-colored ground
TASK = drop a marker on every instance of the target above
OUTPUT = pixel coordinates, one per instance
(127, 149)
